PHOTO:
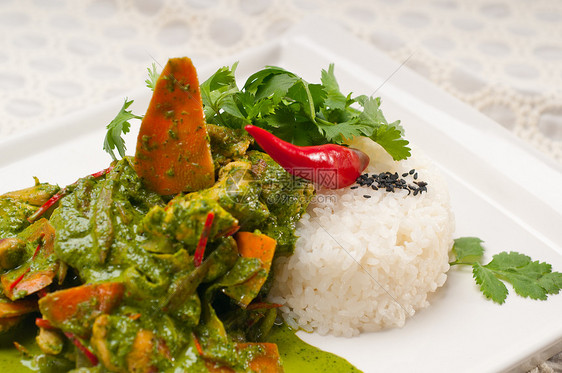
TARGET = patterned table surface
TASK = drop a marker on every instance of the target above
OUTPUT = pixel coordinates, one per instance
(502, 57)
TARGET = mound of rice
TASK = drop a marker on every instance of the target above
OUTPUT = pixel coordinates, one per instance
(364, 264)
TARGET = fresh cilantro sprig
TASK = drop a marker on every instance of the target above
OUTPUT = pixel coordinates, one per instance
(532, 279)
(152, 77)
(297, 111)
(118, 126)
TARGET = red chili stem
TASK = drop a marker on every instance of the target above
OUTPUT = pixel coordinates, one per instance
(44, 323)
(262, 306)
(333, 166)
(57, 196)
(200, 250)
(89, 354)
(18, 280)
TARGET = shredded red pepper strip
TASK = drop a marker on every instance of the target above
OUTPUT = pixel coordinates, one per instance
(197, 345)
(55, 198)
(89, 354)
(18, 280)
(200, 250)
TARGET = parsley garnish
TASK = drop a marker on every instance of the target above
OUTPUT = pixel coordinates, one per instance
(119, 125)
(532, 279)
(297, 111)
(152, 77)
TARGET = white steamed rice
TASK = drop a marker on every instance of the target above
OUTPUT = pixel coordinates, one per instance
(367, 264)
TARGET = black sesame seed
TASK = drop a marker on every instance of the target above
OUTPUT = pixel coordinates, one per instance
(366, 196)
(374, 187)
(416, 176)
(411, 172)
(355, 187)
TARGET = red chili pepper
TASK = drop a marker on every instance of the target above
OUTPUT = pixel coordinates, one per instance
(200, 250)
(333, 166)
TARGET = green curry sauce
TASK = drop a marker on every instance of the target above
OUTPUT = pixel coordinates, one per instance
(296, 355)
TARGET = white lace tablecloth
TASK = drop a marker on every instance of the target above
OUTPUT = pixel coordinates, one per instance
(502, 57)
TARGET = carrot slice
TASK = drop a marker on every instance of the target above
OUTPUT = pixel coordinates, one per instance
(252, 245)
(20, 307)
(80, 305)
(256, 245)
(173, 152)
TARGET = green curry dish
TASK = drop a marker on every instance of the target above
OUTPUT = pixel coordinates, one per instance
(97, 225)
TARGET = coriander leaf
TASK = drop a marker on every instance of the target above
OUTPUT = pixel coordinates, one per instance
(532, 279)
(334, 98)
(506, 261)
(551, 282)
(276, 87)
(297, 111)
(525, 286)
(523, 274)
(259, 78)
(119, 125)
(467, 250)
(338, 132)
(391, 140)
(491, 287)
(152, 77)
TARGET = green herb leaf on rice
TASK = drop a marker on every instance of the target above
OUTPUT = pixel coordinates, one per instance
(531, 279)
(297, 111)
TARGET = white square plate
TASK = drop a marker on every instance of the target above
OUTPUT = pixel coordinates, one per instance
(502, 191)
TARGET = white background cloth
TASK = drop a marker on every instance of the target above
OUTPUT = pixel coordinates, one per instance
(502, 57)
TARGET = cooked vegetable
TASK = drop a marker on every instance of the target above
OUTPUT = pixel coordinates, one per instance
(252, 245)
(75, 309)
(297, 111)
(330, 165)
(9, 309)
(173, 153)
(38, 264)
(532, 279)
